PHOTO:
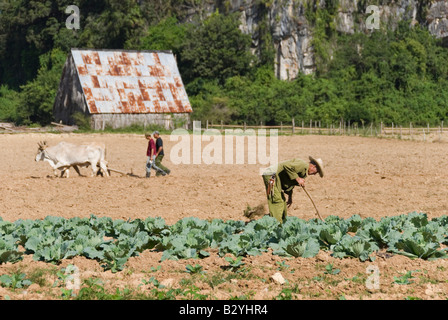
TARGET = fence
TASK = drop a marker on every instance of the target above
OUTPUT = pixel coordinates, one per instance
(345, 128)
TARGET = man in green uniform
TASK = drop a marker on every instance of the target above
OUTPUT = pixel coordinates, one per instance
(282, 178)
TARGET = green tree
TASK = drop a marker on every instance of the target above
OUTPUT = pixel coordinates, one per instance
(210, 101)
(9, 101)
(37, 96)
(168, 34)
(120, 21)
(215, 49)
(22, 36)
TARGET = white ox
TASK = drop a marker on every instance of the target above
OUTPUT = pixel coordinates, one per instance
(65, 155)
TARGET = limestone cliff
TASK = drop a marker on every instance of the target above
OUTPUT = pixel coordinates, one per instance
(292, 32)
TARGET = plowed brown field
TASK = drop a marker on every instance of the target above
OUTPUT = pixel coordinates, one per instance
(367, 176)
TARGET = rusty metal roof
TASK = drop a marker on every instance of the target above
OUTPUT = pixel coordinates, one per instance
(118, 81)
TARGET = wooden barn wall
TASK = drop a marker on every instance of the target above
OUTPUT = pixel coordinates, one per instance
(70, 98)
(167, 121)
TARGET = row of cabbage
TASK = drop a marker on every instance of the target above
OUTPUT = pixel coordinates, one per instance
(113, 242)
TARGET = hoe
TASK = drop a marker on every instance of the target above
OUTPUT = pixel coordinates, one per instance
(317, 211)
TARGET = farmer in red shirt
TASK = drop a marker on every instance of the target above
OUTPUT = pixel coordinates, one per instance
(151, 154)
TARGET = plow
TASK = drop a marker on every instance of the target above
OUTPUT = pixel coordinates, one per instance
(131, 174)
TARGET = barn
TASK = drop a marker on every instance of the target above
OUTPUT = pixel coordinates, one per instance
(119, 88)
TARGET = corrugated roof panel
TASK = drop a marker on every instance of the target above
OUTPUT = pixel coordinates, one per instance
(148, 106)
(116, 81)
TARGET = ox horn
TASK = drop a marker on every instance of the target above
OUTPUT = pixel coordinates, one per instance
(42, 145)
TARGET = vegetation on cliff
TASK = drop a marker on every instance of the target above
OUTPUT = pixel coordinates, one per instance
(395, 76)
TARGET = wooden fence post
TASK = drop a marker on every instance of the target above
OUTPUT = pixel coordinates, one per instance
(345, 128)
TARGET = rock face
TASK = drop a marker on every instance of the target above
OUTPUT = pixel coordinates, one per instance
(292, 33)
(292, 37)
(437, 19)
